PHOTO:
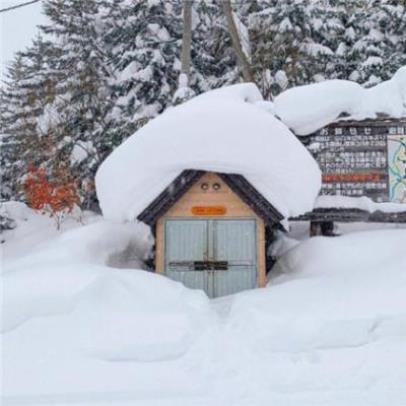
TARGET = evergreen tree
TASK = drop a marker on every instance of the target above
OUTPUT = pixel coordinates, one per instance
(291, 44)
(343, 10)
(83, 99)
(24, 97)
(368, 49)
(107, 66)
(299, 42)
(213, 60)
(371, 48)
(145, 39)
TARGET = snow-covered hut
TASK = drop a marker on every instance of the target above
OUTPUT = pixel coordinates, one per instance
(213, 177)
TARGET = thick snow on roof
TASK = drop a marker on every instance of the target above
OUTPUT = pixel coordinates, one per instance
(220, 131)
(306, 109)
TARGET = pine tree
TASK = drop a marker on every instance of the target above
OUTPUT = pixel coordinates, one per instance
(145, 39)
(213, 60)
(374, 34)
(343, 39)
(299, 42)
(291, 44)
(108, 66)
(24, 97)
(83, 100)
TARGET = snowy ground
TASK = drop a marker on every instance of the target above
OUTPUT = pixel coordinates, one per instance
(330, 329)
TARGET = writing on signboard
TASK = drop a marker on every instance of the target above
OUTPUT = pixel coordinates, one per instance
(209, 210)
(362, 160)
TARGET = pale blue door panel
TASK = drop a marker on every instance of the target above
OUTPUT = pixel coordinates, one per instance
(233, 280)
(186, 242)
(235, 243)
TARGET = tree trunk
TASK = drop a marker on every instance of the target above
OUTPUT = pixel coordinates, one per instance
(186, 38)
(235, 38)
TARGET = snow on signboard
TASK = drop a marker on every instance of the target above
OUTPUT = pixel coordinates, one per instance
(220, 131)
(306, 109)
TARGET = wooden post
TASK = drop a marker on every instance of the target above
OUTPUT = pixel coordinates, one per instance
(325, 228)
(186, 38)
(236, 40)
(315, 229)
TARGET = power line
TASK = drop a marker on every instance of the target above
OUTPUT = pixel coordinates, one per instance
(18, 6)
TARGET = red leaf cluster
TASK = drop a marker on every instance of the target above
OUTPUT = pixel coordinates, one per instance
(48, 196)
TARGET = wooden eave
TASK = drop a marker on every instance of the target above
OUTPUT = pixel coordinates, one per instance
(349, 215)
(376, 124)
(237, 183)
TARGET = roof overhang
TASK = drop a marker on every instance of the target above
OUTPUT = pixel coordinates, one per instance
(237, 183)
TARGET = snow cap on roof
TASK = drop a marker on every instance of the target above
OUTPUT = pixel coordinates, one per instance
(306, 109)
(220, 131)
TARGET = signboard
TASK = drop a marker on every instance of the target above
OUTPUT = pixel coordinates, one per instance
(209, 210)
(362, 159)
(397, 168)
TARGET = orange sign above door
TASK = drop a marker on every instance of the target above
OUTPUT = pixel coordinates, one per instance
(209, 210)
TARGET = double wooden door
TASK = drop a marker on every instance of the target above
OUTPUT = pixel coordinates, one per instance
(217, 256)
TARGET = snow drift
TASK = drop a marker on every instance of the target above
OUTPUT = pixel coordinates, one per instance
(220, 131)
(107, 313)
(308, 108)
(330, 330)
(329, 292)
(46, 281)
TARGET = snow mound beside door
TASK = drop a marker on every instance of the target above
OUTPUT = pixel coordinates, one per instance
(97, 310)
(224, 130)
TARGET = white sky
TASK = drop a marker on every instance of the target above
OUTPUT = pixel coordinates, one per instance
(17, 28)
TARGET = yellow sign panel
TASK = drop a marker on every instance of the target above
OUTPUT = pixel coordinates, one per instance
(209, 210)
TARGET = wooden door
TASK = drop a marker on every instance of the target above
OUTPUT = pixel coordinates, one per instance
(217, 256)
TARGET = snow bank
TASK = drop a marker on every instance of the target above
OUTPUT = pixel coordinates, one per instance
(136, 315)
(376, 253)
(34, 229)
(221, 131)
(45, 282)
(97, 243)
(330, 330)
(362, 203)
(107, 313)
(306, 109)
(329, 292)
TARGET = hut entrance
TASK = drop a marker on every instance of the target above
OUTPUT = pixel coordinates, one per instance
(211, 232)
(217, 256)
